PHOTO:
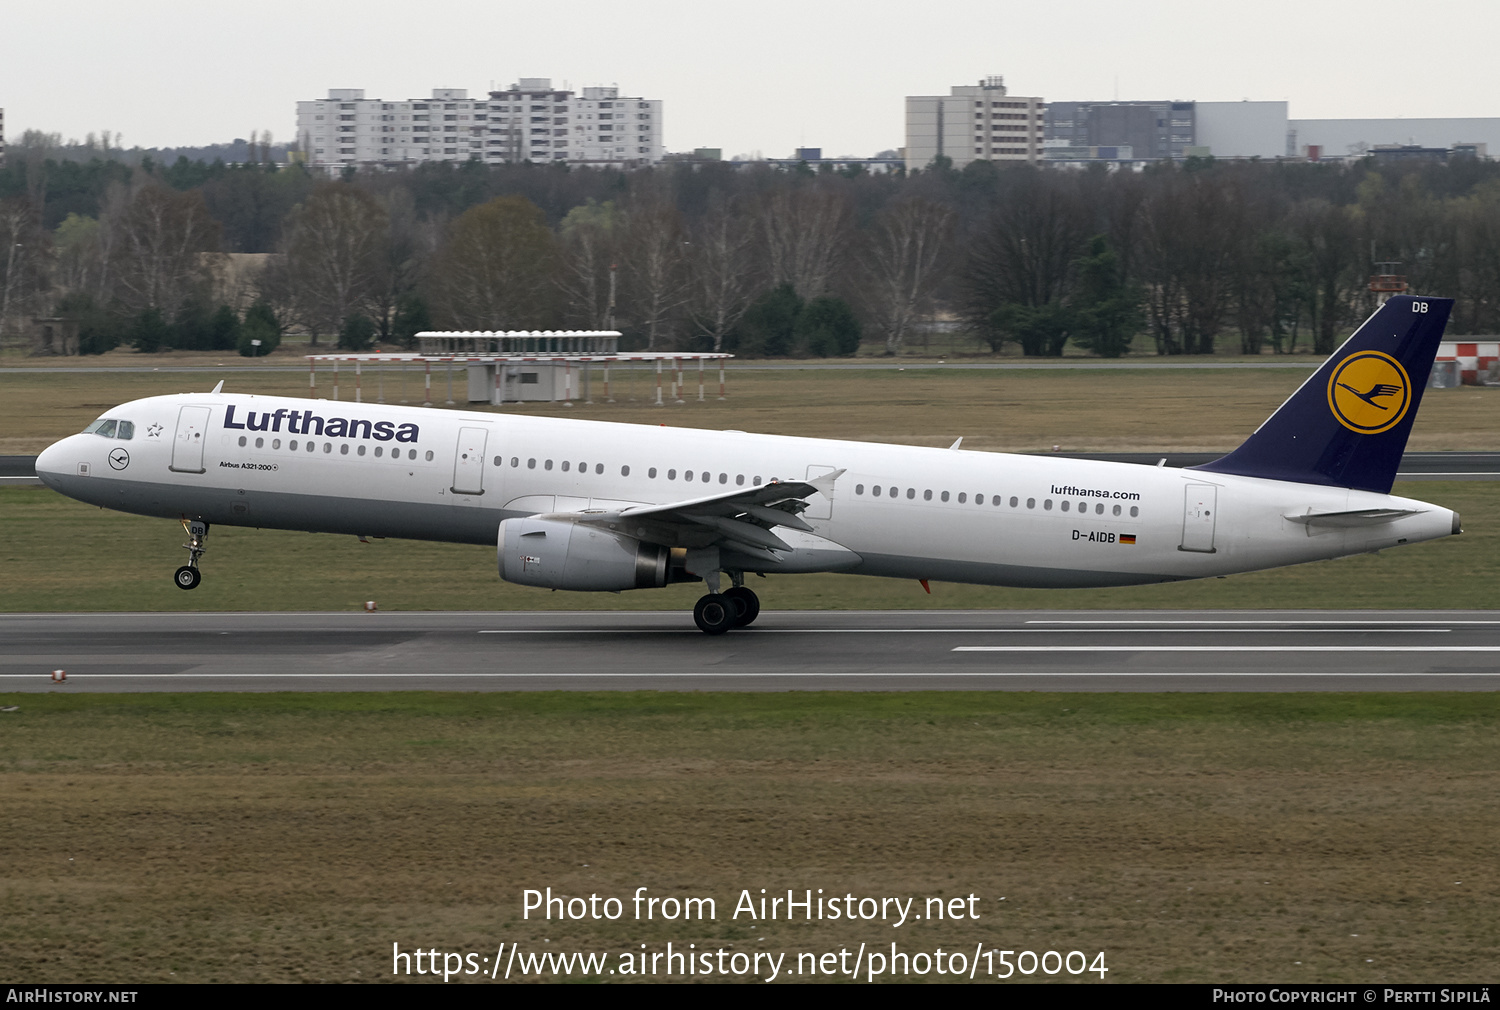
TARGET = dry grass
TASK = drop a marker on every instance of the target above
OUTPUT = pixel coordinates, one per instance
(1145, 409)
(1191, 838)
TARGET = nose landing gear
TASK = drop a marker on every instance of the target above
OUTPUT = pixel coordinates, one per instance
(188, 576)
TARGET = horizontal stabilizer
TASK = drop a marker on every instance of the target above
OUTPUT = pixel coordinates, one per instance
(1357, 517)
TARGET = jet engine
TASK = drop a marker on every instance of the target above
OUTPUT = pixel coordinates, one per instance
(559, 554)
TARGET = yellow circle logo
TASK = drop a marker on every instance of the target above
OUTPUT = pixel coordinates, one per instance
(1369, 392)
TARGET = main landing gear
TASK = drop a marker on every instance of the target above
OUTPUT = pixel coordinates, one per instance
(188, 576)
(736, 607)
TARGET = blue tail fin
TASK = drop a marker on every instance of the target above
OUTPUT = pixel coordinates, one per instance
(1347, 425)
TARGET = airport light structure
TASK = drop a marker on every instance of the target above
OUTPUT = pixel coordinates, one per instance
(518, 366)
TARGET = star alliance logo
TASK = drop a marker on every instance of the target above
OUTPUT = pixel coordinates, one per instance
(154, 431)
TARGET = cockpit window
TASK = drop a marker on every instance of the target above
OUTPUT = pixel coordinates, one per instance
(111, 428)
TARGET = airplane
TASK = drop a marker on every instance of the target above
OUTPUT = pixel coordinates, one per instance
(603, 506)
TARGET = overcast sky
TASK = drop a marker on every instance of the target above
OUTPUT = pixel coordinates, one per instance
(767, 76)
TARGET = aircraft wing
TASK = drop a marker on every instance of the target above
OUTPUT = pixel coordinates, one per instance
(740, 520)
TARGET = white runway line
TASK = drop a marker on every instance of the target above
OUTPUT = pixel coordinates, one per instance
(1225, 648)
(925, 674)
(1232, 623)
(1212, 628)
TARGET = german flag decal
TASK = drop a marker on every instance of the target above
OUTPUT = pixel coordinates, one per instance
(1127, 538)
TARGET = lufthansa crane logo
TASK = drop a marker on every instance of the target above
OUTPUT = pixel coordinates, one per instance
(1369, 392)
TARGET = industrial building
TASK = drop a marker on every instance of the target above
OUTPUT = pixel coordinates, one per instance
(1139, 132)
(1337, 139)
(529, 121)
(974, 123)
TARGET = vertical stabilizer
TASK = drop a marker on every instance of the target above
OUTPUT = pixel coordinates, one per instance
(1347, 425)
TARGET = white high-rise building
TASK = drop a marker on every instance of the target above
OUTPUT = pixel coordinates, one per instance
(531, 121)
(975, 122)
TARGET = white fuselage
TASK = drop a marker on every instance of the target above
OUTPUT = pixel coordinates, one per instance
(954, 515)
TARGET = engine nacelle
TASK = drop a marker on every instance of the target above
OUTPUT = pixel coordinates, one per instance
(557, 554)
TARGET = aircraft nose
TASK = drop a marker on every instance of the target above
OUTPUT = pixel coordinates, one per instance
(50, 464)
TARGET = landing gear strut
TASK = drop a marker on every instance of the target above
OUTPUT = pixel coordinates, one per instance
(188, 576)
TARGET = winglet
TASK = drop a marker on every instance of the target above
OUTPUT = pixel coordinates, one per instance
(219, 388)
(957, 442)
(824, 482)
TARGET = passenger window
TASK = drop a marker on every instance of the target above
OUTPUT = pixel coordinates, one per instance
(599, 468)
(739, 480)
(1134, 511)
(1117, 510)
(292, 445)
(1047, 505)
(687, 475)
(1013, 502)
(927, 495)
(979, 499)
(1031, 503)
(515, 461)
(911, 492)
(547, 465)
(859, 489)
(944, 496)
(344, 449)
(962, 497)
(327, 446)
(361, 448)
(429, 455)
(311, 445)
(1065, 505)
(260, 443)
(723, 478)
(624, 471)
(651, 473)
(671, 475)
(1099, 509)
(565, 466)
(499, 460)
(756, 482)
(275, 443)
(126, 430)
(242, 441)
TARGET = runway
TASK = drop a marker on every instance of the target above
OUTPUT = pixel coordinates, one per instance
(823, 650)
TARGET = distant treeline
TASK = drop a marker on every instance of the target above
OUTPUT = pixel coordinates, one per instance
(1184, 258)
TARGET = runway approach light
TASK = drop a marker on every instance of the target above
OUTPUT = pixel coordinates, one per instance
(58, 676)
(370, 605)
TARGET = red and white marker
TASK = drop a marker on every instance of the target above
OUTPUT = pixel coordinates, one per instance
(369, 604)
(58, 676)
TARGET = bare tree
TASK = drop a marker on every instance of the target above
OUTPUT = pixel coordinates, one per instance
(591, 234)
(721, 261)
(495, 271)
(159, 246)
(334, 255)
(902, 261)
(23, 256)
(806, 230)
(656, 275)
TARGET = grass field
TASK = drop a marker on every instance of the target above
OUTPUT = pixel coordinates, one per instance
(1222, 838)
(1136, 409)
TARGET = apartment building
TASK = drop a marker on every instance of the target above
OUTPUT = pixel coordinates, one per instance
(530, 121)
(973, 123)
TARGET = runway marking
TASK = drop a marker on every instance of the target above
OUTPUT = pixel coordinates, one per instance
(928, 674)
(761, 632)
(1225, 648)
(1230, 622)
